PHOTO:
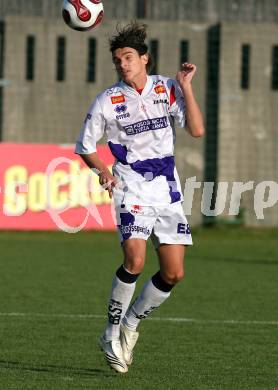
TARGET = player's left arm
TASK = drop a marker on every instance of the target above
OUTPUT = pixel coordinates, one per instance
(195, 123)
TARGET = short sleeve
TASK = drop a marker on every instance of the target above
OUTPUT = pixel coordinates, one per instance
(91, 131)
(177, 107)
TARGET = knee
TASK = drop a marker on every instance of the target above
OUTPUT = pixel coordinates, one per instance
(134, 264)
(173, 277)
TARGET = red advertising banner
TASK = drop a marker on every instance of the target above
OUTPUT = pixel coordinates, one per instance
(48, 187)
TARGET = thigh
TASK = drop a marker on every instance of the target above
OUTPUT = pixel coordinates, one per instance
(135, 224)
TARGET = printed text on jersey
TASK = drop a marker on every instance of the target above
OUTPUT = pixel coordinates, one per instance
(146, 125)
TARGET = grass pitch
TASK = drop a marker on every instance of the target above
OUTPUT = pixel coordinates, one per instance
(219, 330)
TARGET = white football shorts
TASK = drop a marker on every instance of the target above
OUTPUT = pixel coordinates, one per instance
(164, 224)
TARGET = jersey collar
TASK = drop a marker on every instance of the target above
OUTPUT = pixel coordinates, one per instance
(128, 90)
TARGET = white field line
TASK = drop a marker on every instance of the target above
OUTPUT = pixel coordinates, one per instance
(161, 319)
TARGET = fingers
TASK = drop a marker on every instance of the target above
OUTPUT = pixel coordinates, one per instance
(188, 65)
(109, 187)
(188, 68)
(105, 179)
(110, 192)
(108, 183)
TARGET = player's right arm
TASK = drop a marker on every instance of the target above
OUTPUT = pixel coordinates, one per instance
(106, 179)
(91, 132)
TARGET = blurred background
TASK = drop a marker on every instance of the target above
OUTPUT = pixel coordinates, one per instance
(50, 74)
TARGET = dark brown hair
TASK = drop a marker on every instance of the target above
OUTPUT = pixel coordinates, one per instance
(132, 35)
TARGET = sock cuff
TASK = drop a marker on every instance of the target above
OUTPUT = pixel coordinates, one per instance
(125, 276)
(160, 284)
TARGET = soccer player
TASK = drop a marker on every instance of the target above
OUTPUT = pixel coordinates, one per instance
(138, 117)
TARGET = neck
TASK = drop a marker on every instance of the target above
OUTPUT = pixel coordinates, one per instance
(138, 83)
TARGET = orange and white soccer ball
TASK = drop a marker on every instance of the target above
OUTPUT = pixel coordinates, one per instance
(82, 15)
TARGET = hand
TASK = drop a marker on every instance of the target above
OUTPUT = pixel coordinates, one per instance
(107, 181)
(185, 75)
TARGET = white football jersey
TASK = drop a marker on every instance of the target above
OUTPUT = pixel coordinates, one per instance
(140, 132)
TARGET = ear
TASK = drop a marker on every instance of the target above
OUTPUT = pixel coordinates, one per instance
(145, 58)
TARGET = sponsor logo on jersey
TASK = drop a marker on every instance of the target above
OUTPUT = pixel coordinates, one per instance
(161, 101)
(160, 89)
(117, 99)
(123, 116)
(146, 125)
(143, 108)
(109, 92)
(120, 109)
(134, 228)
(112, 91)
(155, 82)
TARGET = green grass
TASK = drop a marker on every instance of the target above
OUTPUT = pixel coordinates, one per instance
(231, 274)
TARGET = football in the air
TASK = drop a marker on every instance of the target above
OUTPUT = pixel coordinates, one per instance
(82, 15)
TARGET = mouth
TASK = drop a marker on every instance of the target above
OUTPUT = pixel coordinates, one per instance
(125, 72)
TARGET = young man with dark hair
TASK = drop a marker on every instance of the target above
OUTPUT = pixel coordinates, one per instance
(138, 115)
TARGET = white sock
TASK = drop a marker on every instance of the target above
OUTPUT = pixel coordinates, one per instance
(148, 300)
(120, 297)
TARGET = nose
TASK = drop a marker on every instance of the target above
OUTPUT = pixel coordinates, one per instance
(122, 64)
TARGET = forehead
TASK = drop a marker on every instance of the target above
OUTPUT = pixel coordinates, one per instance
(118, 53)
